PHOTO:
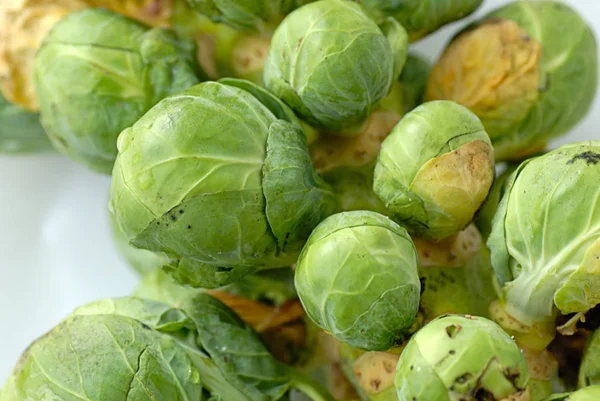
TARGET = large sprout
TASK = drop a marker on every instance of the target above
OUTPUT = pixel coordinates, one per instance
(219, 179)
(247, 15)
(357, 278)
(435, 169)
(459, 357)
(545, 241)
(97, 72)
(421, 17)
(131, 349)
(529, 70)
(331, 63)
(20, 130)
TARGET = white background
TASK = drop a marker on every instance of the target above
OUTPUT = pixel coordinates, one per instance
(56, 251)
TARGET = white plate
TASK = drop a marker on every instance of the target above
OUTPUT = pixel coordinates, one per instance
(56, 251)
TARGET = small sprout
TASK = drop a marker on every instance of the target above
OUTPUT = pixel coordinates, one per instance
(321, 63)
(357, 278)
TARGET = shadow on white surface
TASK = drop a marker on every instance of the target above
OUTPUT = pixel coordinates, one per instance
(56, 250)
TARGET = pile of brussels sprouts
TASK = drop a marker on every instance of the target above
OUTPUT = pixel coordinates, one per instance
(316, 212)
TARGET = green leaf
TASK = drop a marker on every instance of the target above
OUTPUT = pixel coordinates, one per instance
(297, 199)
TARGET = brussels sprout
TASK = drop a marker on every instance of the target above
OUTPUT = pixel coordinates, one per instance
(456, 275)
(220, 206)
(127, 348)
(421, 17)
(591, 393)
(20, 130)
(488, 209)
(97, 72)
(461, 357)
(413, 81)
(353, 188)
(247, 15)
(589, 371)
(545, 242)
(435, 169)
(529, 70)
(321, 63)
(357, 278)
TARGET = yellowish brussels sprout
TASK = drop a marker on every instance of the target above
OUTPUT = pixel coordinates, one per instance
(529, 70)
(435, 169)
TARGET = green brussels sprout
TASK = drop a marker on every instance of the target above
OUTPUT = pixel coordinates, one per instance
(545, 244)
(421, 17)
(456, 275)
(458, 357)
(591, 393)
(20, 130)
(435, 169)
(353, 188)
(128, 348)
(143, 261)
(589, 371)
(321, 63)
(529, 70)
(97, 72)
(357, 278)
(488, 209)
(413, 81)
(247, 15)
(218, 177)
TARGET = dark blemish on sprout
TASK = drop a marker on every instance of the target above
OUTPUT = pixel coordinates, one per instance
(189, 227)
(589, 157)
(452, 352)
(463, 378)
(172, 217)
(453, 330)
(181, 211)
(145, 326)
(412, 367)
(375, 383)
